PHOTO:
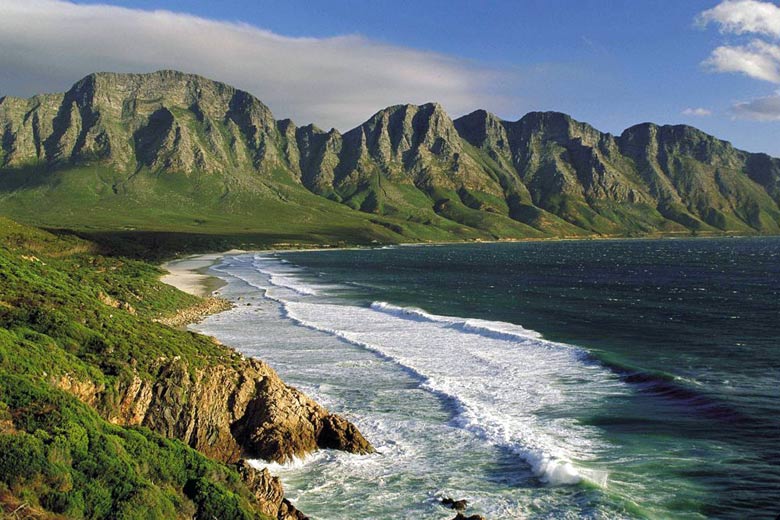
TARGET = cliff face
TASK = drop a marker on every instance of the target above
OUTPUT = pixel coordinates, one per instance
(544, 174)
(268, 492)
(653, 177)
(163, 121)
(231, 410)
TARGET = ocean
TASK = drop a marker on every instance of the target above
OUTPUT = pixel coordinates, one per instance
(572, 379)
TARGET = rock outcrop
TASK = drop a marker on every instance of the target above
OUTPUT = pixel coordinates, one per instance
(233, 410)
(268, 492)
(461, 516)
(457, 505)
(207, 306)
(228, 411)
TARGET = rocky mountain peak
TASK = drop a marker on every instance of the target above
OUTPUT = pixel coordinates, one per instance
(162, 120)
(483, 129)
(556, 126)
(400, 132)
(649, 138)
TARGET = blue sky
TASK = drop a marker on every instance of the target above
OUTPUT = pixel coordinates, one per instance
(610, 63)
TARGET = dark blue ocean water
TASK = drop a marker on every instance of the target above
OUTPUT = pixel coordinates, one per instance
(689, 328)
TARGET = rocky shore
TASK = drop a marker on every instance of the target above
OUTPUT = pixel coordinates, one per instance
(109, 411)
(239, 408)
(196, 313)
(230, 411)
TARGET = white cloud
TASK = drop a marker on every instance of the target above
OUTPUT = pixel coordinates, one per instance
(46, 45)
(743, 17)
(758, 59)
(698, 112)
(759, 109)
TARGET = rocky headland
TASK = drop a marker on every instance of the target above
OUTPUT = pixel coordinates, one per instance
(92, 346)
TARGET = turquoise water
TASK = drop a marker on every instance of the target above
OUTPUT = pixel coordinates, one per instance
(603, 379)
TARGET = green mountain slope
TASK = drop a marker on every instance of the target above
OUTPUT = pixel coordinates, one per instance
(169, 151)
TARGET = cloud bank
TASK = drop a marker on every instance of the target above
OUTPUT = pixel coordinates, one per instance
(760, 109)
(46, 45)
(759, 58)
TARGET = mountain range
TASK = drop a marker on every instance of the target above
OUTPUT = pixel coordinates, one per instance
(169, 151)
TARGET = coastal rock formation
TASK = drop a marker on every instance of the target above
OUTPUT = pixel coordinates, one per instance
(461, 516)
(238, 408)
(170, 134)
(457, 505)
(81, 370)
(209, 305)
(268, 492)
(231, 410)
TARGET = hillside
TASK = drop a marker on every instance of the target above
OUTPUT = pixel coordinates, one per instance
(107, 413)
(173, 152)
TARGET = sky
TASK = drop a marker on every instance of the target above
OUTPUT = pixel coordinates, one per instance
(713, 64)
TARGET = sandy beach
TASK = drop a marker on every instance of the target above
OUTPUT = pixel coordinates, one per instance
(190, 274)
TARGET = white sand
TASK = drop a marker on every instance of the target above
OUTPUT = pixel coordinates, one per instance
(189, 274)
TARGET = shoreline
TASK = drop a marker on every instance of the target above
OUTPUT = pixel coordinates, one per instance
(189, 274)
(293, 475)
(306, 248)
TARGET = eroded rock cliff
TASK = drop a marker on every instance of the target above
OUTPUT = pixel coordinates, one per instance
(232, 410)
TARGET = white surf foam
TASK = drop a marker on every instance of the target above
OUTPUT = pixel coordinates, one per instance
(492, 396)
(281, 274)
(506, 383)
(494, 329)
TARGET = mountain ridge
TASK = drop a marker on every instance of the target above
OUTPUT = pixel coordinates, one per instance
(411, 171)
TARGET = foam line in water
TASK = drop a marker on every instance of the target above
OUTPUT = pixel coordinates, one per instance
(494, 329)
(280, 276)
(551, 464)
(506, 384)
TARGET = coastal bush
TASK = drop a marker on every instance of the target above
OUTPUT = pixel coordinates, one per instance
(214, 501)
(21, 458)
(77, 464)
(68, 314)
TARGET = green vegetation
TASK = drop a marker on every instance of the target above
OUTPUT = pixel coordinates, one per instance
(68, 315)
(58, 455)
(162, 220)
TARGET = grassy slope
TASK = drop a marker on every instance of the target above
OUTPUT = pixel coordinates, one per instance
(157, 215)
(205, 211)
(56, 453)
